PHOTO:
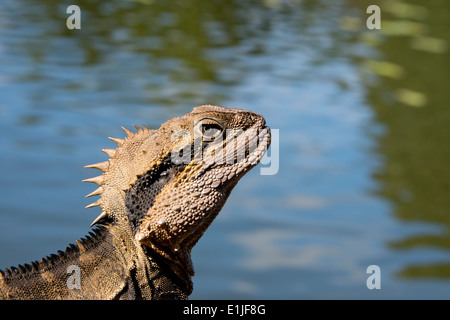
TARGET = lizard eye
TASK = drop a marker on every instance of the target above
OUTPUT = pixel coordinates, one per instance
(210, 129)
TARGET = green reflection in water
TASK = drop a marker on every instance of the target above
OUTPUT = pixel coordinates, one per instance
(410, 95)
(179, 43)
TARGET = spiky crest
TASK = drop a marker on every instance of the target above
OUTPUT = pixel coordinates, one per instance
(120, 164)
(81, 245)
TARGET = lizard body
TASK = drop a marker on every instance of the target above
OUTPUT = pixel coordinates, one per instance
(159, 192)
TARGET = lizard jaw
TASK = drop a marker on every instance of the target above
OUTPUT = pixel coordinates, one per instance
(168, 204)
(188, 203)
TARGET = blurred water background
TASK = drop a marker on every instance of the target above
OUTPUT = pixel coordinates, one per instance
(363, 119)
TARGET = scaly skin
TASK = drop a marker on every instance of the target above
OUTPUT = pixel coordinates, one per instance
(159, 192)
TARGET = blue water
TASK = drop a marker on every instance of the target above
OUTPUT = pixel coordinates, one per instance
(307, 232)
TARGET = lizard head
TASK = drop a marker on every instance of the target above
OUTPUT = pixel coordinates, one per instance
(169, 184)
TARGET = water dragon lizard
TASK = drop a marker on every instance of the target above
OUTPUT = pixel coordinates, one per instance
(159, 192)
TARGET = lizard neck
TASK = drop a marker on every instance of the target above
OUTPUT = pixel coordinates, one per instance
(107, 264)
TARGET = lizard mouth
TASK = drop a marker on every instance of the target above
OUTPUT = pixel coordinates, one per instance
(241, 152)
(258, 143)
